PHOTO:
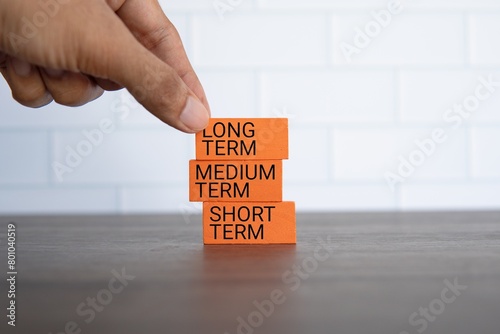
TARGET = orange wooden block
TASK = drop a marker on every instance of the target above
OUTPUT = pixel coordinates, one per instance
(243, 139)
(249, 223)
(255, 180)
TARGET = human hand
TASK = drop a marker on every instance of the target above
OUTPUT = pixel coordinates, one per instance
(70, 51)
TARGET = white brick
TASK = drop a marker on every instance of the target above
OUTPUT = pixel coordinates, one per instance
(378, 4)
(260, 40)
(450, 197)
(157, 199)
(190, 5)
(336, 96)
(320, 4)
(129, 157)
(410, 39)
(426, 95)
(364, 154)
(323, 197)
(449, 161)
(488, 111)
(453, 4)
(308, 160)
(24, 157)
(230, 94)
(57, 200)
(12, 114)
(485, 47)
(171, 5)
(367, 154)
(485, 152)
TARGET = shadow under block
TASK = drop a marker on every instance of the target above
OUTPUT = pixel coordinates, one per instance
(243, 139)
(240, 181)
(249, 223)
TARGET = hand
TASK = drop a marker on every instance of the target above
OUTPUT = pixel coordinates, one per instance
(70, 50)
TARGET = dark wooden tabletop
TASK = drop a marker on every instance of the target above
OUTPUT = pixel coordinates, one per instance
(349, 273)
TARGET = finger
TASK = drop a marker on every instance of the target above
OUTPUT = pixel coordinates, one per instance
(151, 27)
(119, 57)
(70, 89)
(107, 84)
(26, 84)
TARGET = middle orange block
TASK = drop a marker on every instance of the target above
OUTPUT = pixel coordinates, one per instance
(255, 180)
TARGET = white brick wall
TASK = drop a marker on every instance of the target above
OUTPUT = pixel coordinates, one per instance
(350, 122)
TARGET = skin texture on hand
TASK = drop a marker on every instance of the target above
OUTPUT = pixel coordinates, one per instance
(70, 51)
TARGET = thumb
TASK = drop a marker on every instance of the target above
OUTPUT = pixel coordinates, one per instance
(118, 56)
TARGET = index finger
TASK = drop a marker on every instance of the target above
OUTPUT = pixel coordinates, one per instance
(148, 23)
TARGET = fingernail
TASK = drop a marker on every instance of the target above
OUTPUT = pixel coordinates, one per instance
(22, 68)
(56, 73)
(195, 115)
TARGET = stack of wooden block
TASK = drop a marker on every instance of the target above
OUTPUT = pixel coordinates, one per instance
(238, 175)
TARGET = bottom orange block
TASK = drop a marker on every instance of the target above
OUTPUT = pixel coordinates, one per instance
(249, 223)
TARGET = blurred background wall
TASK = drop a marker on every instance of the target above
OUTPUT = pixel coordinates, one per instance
(387, 112)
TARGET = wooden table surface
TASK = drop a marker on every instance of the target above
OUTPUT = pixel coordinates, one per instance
(349, 273)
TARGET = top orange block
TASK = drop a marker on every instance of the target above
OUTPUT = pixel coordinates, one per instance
(243, 139)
